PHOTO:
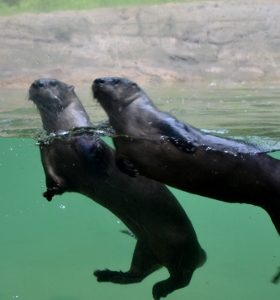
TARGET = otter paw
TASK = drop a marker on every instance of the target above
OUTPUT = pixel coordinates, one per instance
(160, 290)
(50, 192)
(107, 275)
(183, 145)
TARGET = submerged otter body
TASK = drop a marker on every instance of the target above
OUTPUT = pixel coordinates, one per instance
(80, 161)
(159, 146)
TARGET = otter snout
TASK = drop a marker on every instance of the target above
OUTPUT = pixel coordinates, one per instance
(109, 86)
(35, 88)
(98, 81)
(38, 84)
(99, 85)
(106, 80)
(43, 83)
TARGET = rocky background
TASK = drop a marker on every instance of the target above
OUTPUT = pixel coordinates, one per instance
(218, 43)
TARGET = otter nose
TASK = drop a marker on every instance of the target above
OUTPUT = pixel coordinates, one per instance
(99, 81)
(39, 83)
(107, 80)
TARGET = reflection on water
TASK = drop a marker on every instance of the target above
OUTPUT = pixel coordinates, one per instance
(246, 113)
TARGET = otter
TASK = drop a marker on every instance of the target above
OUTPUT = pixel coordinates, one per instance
(157, 145)
(80, 161)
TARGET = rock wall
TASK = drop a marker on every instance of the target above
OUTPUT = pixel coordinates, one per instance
(204, 43)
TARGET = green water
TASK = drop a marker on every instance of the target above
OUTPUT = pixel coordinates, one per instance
(49, 250)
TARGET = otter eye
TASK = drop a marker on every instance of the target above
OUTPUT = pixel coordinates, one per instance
(53, 83)
(116, 81)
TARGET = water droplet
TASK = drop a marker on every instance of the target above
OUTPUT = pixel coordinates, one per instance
(62, 206)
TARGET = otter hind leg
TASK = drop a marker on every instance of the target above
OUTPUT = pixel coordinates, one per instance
(116, 276)
(143, 263)
(176, 281)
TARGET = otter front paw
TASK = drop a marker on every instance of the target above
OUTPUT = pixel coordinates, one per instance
(183, 145)
(50, 192)
(107, 275)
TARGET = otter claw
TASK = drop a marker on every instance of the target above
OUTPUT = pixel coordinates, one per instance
(48, 195)
(50, 192)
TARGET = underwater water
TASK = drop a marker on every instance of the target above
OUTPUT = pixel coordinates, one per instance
(49, 250)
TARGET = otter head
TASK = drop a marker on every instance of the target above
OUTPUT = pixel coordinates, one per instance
(51, 95)
(58, 104)
(115, 93)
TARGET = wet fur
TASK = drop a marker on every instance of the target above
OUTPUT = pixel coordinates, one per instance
(157, 145)
(83, 163)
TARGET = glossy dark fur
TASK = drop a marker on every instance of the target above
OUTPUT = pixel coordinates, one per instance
(81, 162)
(157, 145)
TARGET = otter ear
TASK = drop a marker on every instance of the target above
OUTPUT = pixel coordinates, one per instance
(71, 88)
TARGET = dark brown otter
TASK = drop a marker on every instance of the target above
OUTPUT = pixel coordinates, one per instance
(157, 145)
(80, 161)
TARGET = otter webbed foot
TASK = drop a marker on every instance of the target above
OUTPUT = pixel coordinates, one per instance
(160, 291)
(127, 167)
(50, 192)
(117, 276)
(175, 281)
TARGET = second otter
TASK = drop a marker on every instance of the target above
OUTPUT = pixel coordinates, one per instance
(83, 163)
(157, 145)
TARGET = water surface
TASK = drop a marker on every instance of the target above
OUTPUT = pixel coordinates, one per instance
(247, 113)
